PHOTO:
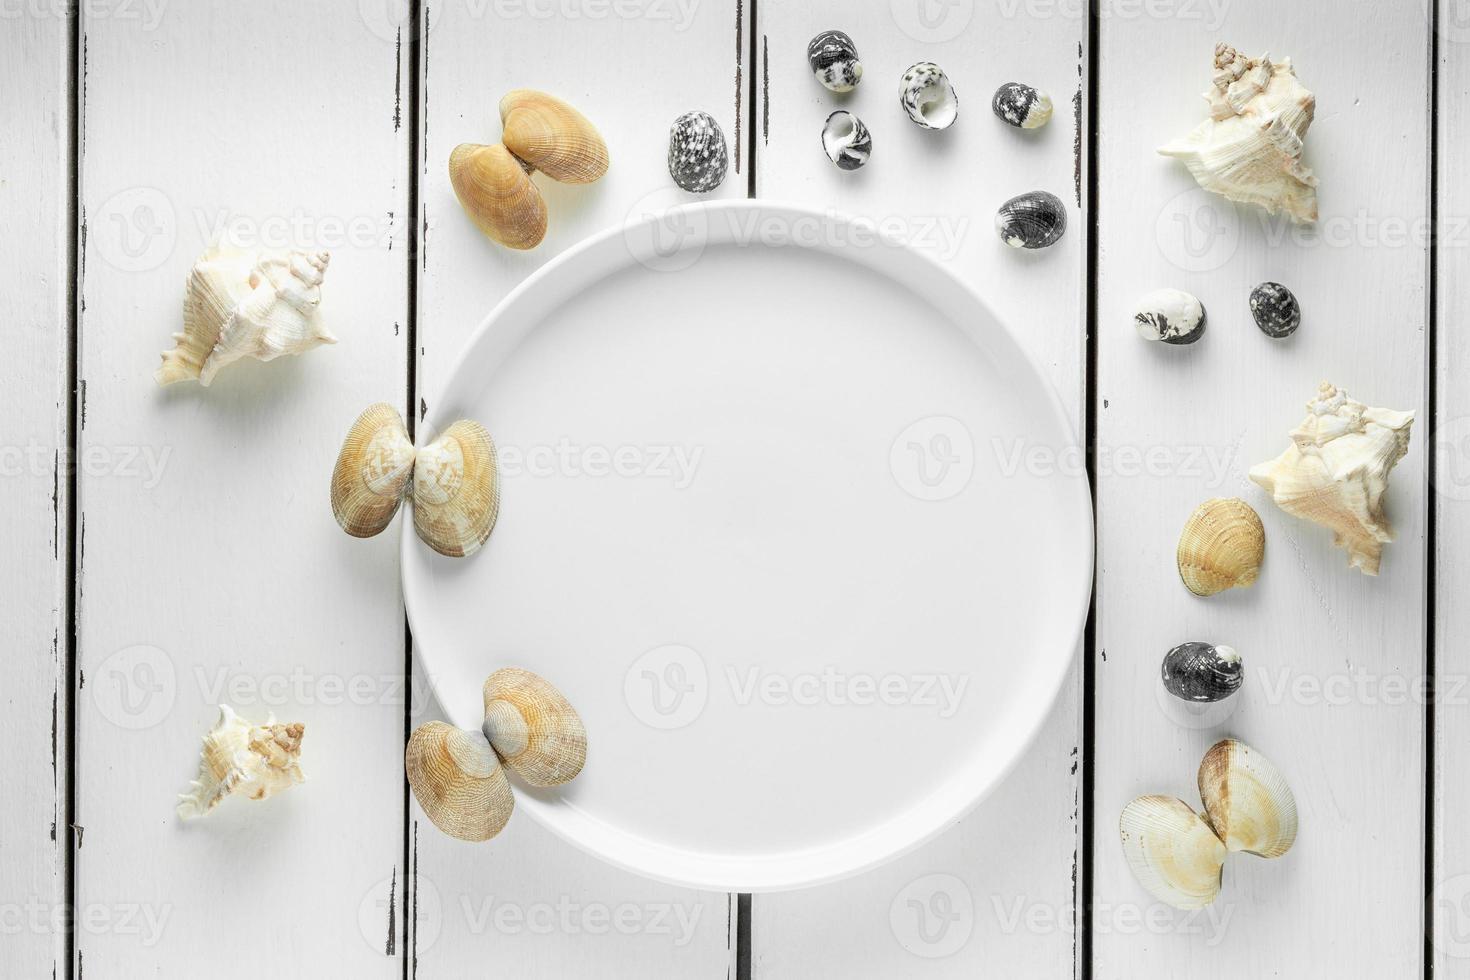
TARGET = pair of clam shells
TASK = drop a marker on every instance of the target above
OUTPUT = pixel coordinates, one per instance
(1178, 855)
(493, 183)
(1222, 546)
(459, 778)
(454, 481)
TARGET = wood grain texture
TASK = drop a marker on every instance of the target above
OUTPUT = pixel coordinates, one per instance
(994, 896)
(528, 904)
(1331, 656)
(35, 197)
(210, 568)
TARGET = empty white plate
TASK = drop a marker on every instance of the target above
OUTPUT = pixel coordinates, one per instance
(792, 520)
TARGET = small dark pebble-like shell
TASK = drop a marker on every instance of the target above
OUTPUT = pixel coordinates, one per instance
(697, 153)
(846, 140)
(1021, 105)
(1032, 220)
(834, 60)
(1196, 671)
(1276, 310)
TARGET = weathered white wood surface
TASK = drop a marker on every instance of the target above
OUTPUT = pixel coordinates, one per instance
(1332, 657)
(528, 904)
(994, 896)
(35, 198)
(217, 572)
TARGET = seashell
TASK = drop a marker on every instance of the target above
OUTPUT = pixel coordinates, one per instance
(1335, 472)
(372, 471)
(1201, 672)
(834, 60)
(246, 304)
(238, 758)
(458, 781)
(456, 490)
(1275, 310)
(1247, 800)
(1170, 315)
(1032, 220)
(1221, 547)
(495, 190)
(551, 136)
(1172, 851)
(697, 153)
(1250, 149)
(928, 97)
(533, 728)
(1021, 105)
(846, 140)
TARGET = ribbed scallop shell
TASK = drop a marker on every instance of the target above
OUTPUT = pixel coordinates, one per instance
(253, 761)
(456, 490)
(1247, 800)
(497, 193)
(552, 137)
(1172, 851)
(372, 471)
(533, 728)
(458, 781)
(1221, 547)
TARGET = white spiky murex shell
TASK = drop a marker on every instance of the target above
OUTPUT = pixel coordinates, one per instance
(246, 304)
(1335, 472)
(238, 758)
(1250, 148)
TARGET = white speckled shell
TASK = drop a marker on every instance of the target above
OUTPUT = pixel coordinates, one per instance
(928, 97)
(1170, 315)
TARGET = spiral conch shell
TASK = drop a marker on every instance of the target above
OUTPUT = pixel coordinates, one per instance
(253, 761)
(457, 776)
(246, 304)
(1335, 472)
(1250, 149)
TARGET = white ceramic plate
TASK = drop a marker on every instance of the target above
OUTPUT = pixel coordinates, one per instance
(792, 520)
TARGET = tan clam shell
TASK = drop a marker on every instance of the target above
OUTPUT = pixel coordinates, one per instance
(552, 137)
(497, 193)
(1221, 547)
(1172, 851)
(533, 727)
(458, 781)
(456, 490)
(1247, 800)
(373, 469)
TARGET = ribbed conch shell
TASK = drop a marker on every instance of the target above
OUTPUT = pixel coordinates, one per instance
(1177, 854)
(1335, 472)
(493, 183)
(455, 481)
(1222, 546)
(457, 776)
(246, 304)
(253, 761)
(1250, 149)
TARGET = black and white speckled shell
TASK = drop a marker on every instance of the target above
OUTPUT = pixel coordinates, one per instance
(846, 140)
(1035, 219)
(1202, 672)
(834, 60)
(928, 97)
(1275, 310)
(1171, 316)
(1021, 105)
(697, 153)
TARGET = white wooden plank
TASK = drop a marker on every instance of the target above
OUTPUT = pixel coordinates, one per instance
(1329, 653)
(632, 68)
(35, 196)
(215, 572)
(1007, 870)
